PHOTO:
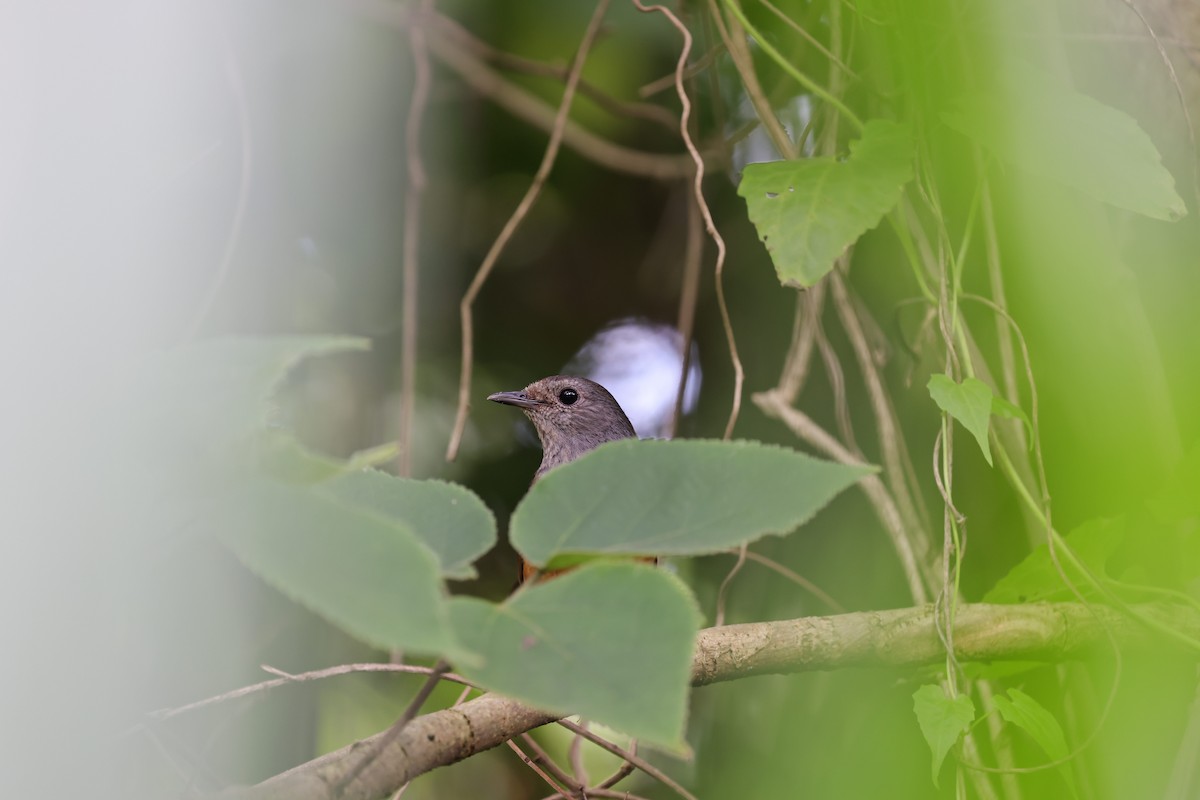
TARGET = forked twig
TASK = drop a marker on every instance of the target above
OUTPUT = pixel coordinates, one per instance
(493, 255)
(637, 761)
(739, 375)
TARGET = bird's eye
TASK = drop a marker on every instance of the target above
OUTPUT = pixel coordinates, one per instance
(568, 396)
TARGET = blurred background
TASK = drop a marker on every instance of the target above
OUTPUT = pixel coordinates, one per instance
(178, 171)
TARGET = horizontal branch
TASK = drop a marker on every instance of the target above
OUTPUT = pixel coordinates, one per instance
(524, 105)
(899, 638)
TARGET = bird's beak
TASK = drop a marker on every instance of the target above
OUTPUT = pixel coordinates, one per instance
(518, 399)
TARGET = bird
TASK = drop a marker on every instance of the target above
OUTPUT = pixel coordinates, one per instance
(572, 416)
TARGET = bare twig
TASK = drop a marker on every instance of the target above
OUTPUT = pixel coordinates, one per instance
(719, 618)
(637, 761)
(412, 226)
(809, 305)
(646, 111)
(774, 405)
(797, 579)
(575, 757)
(493, 255)
(540, 756)
(903, 637)
(315, 675)
(668, 81)
(814, 41)
(697, 185)
(237, 90)
(890, 437)
(532, 763)
(392, 733)
(689, 293)
(734, 37)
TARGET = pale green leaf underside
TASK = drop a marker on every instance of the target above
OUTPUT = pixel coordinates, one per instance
(1035, 123)
(686, 497)
(942, 720)
(807, 212)
(611, 641)
(368, 575)
(217, 390)
(452, 521)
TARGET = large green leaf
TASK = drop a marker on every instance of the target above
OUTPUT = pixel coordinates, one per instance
(942, 720)
(808, 212)
(217, 390)
(1030, 716)
(685, 497)
(367, 574)
(1037, 579)
(452, 521)
(611, 641)
(1035, 123)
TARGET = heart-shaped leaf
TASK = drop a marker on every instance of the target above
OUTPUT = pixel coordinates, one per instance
(942, 720)
(611, 641)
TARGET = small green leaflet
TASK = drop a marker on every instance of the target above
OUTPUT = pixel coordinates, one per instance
(684, 497)
(807, 212)
(1030, 716)
(611, 641)
(942, 720)
(1034, 122)
(972, 403)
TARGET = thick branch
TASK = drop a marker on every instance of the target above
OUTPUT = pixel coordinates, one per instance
(899, 638)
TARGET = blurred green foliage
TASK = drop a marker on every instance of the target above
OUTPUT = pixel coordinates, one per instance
(240, 169)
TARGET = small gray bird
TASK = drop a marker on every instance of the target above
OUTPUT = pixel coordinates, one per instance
(572, 416)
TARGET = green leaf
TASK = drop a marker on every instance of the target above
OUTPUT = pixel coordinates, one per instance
(451, 520)
(808, 212)
(368, 575)
(1033, 122)
(1036, 578)
(942, 720)
(1030, 716)
(611, 641)
(217, 390)
(969, 402)
(1003, 408)
(685, 497)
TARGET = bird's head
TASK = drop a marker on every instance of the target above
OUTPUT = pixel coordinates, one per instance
(572, 415)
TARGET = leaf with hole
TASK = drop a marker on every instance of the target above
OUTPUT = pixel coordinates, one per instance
(807, 212)
(942, 720)
(684, 497)
(611, 641)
